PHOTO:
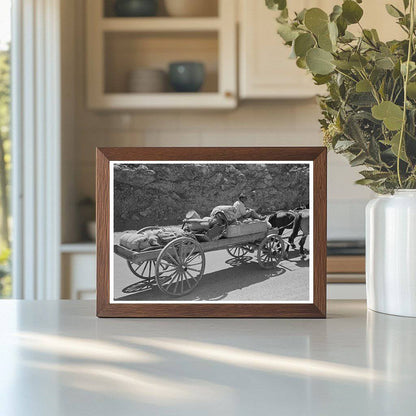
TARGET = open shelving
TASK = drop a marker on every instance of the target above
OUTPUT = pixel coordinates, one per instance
(118, 45)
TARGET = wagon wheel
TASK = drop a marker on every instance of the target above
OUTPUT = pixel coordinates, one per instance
(145, 270)
(238, 251)
(180, 266)
(270, 251)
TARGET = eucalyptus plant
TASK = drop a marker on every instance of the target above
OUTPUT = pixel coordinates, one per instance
(369, 112)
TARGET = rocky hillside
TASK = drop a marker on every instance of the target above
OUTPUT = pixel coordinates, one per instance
(162, 194)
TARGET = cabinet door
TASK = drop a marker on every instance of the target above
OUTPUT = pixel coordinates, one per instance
(376, 17)
(265, 68)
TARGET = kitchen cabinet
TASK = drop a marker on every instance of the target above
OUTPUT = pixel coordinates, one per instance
(78, 271)
(265, 70)
(116, 46)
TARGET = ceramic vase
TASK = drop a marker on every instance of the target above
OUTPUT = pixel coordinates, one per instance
(391, 253)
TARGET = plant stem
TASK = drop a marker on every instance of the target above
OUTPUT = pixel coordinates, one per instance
(373, 89)
(346, 75)
(406, 80)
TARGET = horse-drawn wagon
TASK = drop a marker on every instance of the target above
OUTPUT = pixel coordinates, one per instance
(177, 268)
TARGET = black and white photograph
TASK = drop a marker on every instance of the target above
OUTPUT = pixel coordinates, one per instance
(230, 232)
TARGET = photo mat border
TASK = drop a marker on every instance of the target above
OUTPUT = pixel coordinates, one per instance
(316, 155)
(213, 162)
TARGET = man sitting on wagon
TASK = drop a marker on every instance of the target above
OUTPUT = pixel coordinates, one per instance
(243, 212)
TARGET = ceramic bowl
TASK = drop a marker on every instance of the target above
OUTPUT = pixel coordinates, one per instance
(136, 8)
(147, 80)
(186, 76)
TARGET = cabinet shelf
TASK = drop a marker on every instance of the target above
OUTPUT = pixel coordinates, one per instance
(159, 24)
(128, 101)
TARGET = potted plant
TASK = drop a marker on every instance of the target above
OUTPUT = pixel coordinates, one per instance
(369, 116)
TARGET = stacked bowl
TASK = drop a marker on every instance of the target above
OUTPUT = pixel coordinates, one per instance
(147, 80)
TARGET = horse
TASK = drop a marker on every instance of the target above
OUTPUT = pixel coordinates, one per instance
(296, 219)
(282, 220)
(301, 223)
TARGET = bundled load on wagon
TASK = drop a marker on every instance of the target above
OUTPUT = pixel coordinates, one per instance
(173, 258)
(222, 223)
(151, 237)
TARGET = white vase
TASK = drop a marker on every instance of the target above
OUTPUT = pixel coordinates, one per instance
(391, 253)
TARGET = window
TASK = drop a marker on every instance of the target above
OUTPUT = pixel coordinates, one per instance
(5, 147)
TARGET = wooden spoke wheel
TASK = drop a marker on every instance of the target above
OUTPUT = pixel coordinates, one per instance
(180, 266)
(145, 270)
(270, 251)
(238, 251)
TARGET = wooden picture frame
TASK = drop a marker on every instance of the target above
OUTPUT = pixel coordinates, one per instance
(315, 308)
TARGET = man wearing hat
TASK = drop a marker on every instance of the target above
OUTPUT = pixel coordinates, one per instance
(242, 211)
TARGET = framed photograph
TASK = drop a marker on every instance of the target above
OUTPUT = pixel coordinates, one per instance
(211, 232)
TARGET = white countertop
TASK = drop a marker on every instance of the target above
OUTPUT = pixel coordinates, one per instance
(56, 358)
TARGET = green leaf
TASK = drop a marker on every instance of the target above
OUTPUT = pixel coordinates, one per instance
(381, 89)
(301, 63)
(343, 145)
(358, 160)
(368, 36)
(411, 90)
(286, 32)
(336, 12)
(364, 181)
(284, 14)
(412, 67)
(375, 35)
(374, 150)
(276, 4)
(354, 131)
(348, 37)
(385, 63)
(393, 11)
(321, 79)
(300, 17)
(333, 32)
(319, 61)
(394, 145)
(374, 175)
(303, 43)
(351, 11)
(316, 20)
(343, 65)
(361, 99)
(325, 43)
(391, 114)
(406, 4)
(342, 25)
(358, 61)
(363, 86)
